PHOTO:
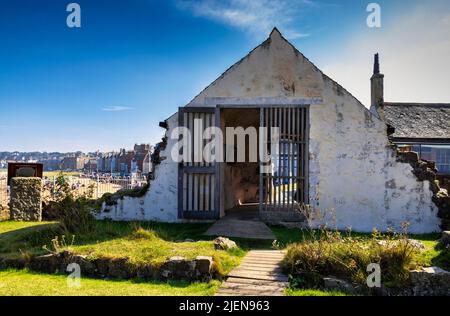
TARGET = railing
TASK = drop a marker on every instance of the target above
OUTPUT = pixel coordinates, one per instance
(97, 186)
(93, 186)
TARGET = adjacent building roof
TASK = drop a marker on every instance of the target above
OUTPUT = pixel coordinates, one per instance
(418, 120)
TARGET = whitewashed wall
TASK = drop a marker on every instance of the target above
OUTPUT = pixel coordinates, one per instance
(161, 201)
(354, 176)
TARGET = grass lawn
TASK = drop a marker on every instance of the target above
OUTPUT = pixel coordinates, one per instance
(141, 242)
(297, 292)
(155, 242)
(23, 282)
(51, 174)
(147, 242)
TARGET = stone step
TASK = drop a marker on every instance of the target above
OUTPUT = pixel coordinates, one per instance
(260, 274)
(262, 260)
(260, 265)
(250, 292)
(255, 281)
(250, 268)
(245, 286)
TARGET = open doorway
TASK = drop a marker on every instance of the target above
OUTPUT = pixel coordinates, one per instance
(240, 180)
(279, 193)
(210, 190)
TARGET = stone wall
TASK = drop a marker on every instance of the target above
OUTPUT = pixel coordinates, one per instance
(26, 201)
(202, 268)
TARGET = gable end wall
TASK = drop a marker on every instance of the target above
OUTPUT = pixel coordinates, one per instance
(355, 181)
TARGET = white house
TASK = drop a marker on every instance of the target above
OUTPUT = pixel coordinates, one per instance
(335, 154)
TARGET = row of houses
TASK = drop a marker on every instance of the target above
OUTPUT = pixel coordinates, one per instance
(125, 161)
(122, 162)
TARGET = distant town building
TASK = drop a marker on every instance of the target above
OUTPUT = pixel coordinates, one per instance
(74, 163)
(51, 164)
(125, 162)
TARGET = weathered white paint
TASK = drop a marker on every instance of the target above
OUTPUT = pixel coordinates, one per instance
(160, 202)
(354, 176)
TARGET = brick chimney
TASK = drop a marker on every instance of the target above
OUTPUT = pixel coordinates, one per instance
(377, 89)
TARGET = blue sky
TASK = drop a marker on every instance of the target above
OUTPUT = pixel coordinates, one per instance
(132, 63)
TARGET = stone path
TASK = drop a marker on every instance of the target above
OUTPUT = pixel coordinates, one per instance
(258, 275)
(242, 222)
(241, 229)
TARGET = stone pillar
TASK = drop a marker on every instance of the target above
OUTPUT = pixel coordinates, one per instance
(25, 202)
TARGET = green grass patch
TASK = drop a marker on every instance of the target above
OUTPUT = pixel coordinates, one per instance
(18, 239)
(346, 255)
(52, 174)
(26, 283)
(311, 292)
(141, 242)
(433, 255)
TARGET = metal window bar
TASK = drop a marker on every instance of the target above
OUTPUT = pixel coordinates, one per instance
(286, 187)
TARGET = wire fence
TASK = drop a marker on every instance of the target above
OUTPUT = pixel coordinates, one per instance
(94, 186)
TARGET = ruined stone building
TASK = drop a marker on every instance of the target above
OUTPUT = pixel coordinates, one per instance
(334, 155)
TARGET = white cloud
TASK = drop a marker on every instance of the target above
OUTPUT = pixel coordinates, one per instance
(256, 17)
(116, 108)
(415, 57)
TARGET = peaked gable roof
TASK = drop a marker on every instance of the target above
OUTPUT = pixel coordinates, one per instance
(266, 44)
(418, 120)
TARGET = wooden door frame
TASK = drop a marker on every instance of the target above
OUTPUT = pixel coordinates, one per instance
(305, 154)
(215, 169)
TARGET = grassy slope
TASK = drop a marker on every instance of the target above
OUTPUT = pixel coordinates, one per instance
(433, 255)
(140, 242)
(119, 239)
(13, 282)
(147, 241)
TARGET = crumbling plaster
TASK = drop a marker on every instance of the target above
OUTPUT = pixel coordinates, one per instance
(354, 176)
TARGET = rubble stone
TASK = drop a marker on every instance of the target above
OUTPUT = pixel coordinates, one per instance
(223, 243)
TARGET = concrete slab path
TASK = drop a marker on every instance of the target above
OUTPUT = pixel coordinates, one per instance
(258, 275)
(242, 222)
(240, 228)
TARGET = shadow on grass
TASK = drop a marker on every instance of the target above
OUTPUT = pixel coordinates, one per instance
(16, 242)
(21, 240)
(442, 260)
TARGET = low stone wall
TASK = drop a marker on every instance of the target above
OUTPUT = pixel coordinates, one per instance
(431, 281)
(176, 268)
(26, 199)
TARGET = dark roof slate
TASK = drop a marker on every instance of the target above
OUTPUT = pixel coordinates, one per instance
(418, 120)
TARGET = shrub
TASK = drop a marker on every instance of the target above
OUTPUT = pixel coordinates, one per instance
(73, 212)
(348, 257)
(141, 233)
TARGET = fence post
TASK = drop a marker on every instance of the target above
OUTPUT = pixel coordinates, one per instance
(98, 185)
